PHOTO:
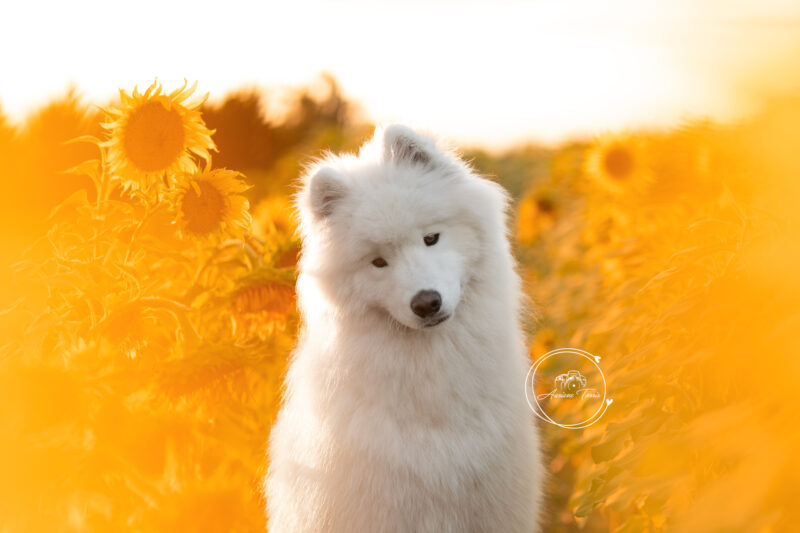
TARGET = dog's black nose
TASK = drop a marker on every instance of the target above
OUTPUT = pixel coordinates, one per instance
(426, 303)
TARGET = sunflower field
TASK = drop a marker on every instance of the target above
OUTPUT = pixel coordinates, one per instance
(149, 309)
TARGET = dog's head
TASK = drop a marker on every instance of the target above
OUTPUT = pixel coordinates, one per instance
(397, 229)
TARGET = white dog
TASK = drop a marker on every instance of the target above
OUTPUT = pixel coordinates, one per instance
(405, 407)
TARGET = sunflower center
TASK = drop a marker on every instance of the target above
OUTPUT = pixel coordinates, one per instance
(154, 136)
(546, 205)
(203, 212)
(618, 162)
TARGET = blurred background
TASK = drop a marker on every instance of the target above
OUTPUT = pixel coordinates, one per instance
(651, 150)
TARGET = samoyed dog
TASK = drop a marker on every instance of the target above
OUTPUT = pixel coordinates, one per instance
(404, 408)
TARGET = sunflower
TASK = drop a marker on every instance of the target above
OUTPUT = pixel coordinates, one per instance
(683, 164)
(154, 136)
(536, 214)
(274, 214)
(274, 224)
(618, 163)
(137, 329)
(262, 307)
(209, 203)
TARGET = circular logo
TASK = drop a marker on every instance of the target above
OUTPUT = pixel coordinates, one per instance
(567, 388)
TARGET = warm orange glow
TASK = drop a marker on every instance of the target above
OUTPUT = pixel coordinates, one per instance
(149, 252)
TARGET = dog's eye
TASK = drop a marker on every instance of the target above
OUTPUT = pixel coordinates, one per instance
(431, 239)
(379, 262)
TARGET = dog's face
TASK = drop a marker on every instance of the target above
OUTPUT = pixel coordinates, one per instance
(394, 234)
(413, 269)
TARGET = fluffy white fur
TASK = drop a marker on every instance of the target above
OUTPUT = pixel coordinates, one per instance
(391, 423)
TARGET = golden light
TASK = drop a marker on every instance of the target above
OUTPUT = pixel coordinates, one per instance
(148, 303)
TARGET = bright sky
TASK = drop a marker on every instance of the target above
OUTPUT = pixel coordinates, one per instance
(490, 73)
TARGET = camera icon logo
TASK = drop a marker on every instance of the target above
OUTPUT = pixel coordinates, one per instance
(571, 383)
(570, 391)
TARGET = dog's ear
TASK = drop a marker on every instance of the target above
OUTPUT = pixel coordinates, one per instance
(403, 145)
(325, 187)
